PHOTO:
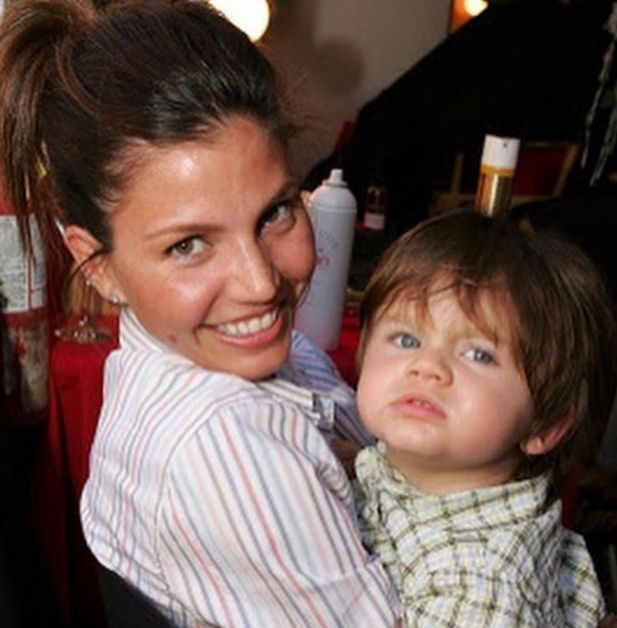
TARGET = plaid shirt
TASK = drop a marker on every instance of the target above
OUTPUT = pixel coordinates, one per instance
(496, 556)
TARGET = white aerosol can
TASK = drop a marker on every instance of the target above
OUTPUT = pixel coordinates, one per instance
(332, 208)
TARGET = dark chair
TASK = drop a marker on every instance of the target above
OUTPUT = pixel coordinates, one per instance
(127, 607)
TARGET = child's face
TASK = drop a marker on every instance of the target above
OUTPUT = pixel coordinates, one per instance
(443, 396)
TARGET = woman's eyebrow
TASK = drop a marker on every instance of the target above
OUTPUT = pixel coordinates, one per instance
(188, 228)
(185, 228)
(287, 187)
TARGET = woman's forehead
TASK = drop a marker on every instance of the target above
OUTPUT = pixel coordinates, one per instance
(238, 167)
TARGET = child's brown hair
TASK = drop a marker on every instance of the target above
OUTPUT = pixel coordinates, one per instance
(557, 309)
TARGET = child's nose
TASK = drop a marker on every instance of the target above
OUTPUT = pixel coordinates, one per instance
(430, 366)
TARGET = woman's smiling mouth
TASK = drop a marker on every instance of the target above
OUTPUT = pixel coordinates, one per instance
(249, 326)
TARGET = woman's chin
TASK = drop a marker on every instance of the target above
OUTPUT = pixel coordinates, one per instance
(262, 364)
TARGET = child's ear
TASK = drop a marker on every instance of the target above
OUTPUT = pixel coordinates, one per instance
(83, 245)
(548, 438)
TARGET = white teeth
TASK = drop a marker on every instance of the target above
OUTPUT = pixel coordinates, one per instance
(250, 326)
(253, 326)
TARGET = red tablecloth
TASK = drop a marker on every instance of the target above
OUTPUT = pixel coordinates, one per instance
(345, 355)
(76, 383)
(75, 394)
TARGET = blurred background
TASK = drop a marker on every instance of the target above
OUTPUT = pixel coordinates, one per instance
(400, 94)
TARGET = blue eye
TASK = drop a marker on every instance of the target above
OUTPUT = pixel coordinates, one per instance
(479, 355)
(406, 341)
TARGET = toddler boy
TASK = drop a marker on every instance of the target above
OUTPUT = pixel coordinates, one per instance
(486, 365)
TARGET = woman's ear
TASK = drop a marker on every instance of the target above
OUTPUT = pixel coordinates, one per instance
(95, 268)
(549, 438)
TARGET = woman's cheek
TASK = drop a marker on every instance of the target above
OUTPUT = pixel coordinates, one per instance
(294, 257)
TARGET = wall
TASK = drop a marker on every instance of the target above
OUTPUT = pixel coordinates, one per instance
(337, 54)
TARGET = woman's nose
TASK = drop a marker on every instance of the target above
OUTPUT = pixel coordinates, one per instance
(254, 276)
(430, 366)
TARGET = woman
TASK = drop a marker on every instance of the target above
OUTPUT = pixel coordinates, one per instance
(162, 139)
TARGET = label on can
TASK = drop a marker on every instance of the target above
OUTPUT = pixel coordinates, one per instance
(22, 278)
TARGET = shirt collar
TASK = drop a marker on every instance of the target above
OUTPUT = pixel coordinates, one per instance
(320, 408)
(490, 506)
(134, 336)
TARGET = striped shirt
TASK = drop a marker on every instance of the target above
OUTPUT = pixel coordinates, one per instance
(220, 498)
(491, 557)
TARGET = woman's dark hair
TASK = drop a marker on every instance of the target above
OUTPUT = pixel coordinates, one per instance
(555, 308)
(82, 87)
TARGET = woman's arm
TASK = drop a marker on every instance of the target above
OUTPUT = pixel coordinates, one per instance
(257, 527)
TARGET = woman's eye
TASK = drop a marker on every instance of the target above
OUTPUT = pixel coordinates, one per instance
(187, 247)
(406, 341)
(479, 355)
(281, 213)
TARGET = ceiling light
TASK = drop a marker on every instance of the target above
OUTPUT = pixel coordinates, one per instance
(250, 16)
(475, 7)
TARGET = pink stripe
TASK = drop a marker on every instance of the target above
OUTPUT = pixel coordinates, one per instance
(228, 520)
(256, 506)
(293, 475)
(137, 457)
(207, 573)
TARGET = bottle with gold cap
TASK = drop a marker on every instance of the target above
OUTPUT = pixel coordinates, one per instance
(497, 168)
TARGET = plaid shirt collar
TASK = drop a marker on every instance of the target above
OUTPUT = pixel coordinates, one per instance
(490, 506)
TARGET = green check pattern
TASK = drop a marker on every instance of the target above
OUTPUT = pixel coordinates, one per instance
(490, 557)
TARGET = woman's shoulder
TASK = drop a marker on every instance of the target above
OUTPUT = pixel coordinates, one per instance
(180, 397)
(158, 397)
(144, 371)
(150, 375)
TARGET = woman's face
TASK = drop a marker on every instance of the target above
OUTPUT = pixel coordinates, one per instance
(213, 248)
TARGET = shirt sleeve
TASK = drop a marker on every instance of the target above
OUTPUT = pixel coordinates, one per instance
(256, 527)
